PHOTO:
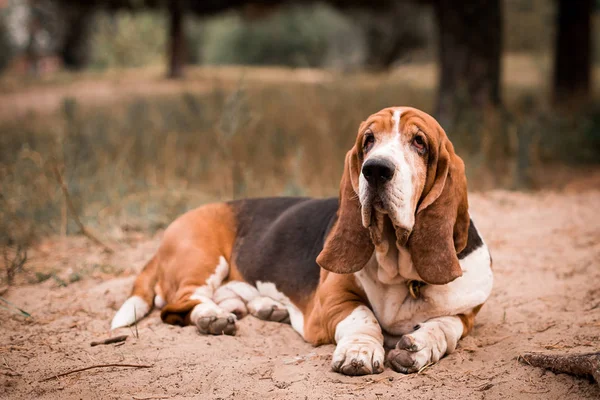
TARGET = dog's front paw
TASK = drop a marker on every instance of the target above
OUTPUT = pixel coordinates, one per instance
(358, 355)
(212, 320)
(417, 349)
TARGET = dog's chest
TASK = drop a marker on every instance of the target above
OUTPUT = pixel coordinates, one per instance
(384, 280)
(392, 306)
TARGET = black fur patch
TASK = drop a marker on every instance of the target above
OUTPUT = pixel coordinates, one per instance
(278, 240)
(474, 241)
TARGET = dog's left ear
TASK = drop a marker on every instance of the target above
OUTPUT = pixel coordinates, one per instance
(348, 246)
(442, 217)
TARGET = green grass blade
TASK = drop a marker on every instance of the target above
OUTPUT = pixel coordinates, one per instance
(11, 307)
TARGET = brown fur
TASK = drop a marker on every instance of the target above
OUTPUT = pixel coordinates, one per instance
(348, 247)
(337, 296)
(468, 320)
(145, 283)
(442, 219)
(187, 257)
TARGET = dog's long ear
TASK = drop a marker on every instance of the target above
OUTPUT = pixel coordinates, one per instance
(442, 217)
(348, 246)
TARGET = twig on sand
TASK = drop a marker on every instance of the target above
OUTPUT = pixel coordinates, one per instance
(540, 392)
(582, 365)
(546, 328)
(137, 334)
(424, 367)
(368, 383)
(84, 230)
(111, 340)
(96, 366)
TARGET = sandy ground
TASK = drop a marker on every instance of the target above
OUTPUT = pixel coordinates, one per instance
(546, 251)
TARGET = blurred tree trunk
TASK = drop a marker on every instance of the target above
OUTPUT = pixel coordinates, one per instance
(33, 50)
(75, 49)
(572, 57)
(470, 47)
(387, 41)
(176, 39)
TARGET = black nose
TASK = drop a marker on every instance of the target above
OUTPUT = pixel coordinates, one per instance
(378, 171)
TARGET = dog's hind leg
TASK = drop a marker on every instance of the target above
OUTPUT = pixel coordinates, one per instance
(242, 298)
(194, 304)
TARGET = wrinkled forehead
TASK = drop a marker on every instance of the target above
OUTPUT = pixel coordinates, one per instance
(398, 121)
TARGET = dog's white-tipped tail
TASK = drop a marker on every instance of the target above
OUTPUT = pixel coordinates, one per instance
(134, 309)
(140, 302)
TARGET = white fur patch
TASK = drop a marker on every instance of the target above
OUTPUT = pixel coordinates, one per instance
(428, 344)
(404, 179)
(207, 310)
(261, 303)
(234, 296)
(159, 302)
(207, 291)
(243, 290)
(397, 312)
(396, 119)
(400, 196)
(268, 289)
(359, 341)
(134, 309)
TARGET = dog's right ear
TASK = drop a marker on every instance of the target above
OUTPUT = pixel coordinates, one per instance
(348, 246)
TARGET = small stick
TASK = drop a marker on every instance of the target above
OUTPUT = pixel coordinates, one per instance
(85, 231)
(582, 365)
(96, 366)
(111, 340)
(137, 335)
(424, 367)
(364, 385)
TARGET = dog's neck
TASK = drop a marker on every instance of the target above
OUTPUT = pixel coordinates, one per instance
(391, 264)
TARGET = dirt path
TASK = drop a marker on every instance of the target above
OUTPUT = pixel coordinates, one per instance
(546, 250)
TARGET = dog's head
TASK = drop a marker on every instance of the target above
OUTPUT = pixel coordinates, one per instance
(401, 176)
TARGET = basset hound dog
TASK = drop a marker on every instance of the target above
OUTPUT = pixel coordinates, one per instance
(394, 262)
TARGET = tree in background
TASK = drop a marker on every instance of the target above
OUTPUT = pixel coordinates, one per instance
(469, 41)
(6, 45)
(75, 46)
(572, 58)
(177, 48)
(391, 32)
(470, 47)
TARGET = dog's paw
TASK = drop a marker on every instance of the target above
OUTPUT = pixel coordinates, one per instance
(360, 355)
(268, 309)
(417, 349)
(212, 320)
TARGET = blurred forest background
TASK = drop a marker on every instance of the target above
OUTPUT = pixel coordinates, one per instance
(118, 115)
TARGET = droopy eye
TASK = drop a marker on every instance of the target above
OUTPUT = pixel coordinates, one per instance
(419, 144)
(369, 141)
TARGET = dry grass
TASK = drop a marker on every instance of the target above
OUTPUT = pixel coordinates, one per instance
(135, 151)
